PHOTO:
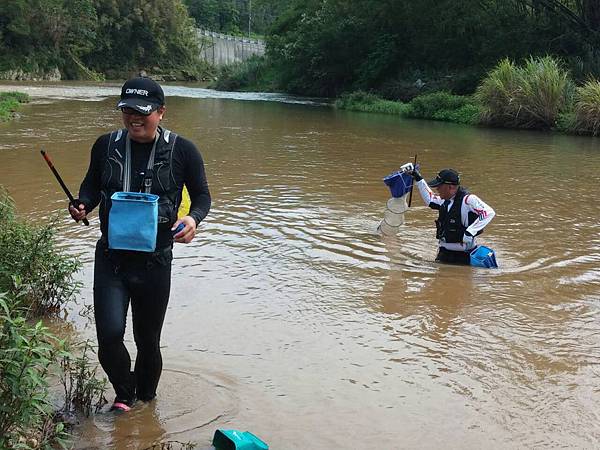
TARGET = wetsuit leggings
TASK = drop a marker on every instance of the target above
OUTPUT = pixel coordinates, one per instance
(453, 257)
(145, 281)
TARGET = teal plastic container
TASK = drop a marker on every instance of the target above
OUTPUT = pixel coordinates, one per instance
(237, 440)
(483, 256)
(133, 221)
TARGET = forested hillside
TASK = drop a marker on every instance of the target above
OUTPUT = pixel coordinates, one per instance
(326, 47)
(315, 47)
(96, 38)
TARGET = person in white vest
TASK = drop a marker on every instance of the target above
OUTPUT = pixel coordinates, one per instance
(462, 215)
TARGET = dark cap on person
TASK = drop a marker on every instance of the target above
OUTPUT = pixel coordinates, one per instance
(142, 94)
(445, 176)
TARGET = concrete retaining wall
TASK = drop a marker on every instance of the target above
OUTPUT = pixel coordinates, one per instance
(222, 49)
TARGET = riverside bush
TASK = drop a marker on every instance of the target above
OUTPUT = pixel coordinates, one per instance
(529, 96)
(252, 74)
(9, 103)
(35, 278)
(367, 102)
(29, 253)
(444, 106)
(27, 352)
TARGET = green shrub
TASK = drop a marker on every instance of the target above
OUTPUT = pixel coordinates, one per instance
(445, 107)
(528, 96)
(83, 392)
(255, 73)
(29, 253)
(586, 109)
(35, 278)
(367, 102)
(27, 352)
(9, 103)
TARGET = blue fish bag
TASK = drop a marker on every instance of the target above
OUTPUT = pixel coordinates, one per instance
(483, 256)
(133, 221)
(399, 183)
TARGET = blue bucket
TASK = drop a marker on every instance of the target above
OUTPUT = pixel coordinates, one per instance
(237, 440)
(483, 256)
(133, 221)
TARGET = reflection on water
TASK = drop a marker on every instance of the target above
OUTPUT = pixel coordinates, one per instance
(292, 318)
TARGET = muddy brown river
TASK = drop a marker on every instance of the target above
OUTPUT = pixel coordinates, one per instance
(291, 317)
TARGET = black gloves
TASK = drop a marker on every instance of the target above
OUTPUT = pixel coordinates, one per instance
(416, 175)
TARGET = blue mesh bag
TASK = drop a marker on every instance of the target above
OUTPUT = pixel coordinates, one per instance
(133, 221)
(483, 256)
(400, 183)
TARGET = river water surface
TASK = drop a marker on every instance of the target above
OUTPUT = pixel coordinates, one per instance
(292, 318)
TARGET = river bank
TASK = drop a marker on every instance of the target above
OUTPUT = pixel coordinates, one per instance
(538, 94)
(46, 379)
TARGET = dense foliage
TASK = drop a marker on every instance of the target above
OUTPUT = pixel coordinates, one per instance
(537, 94)
(84, 37)
(36, 279)
(29, 257)
(27, 353)
(234, 16)
(326, 47)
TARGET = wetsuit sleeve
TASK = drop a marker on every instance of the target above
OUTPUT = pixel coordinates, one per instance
(89, 191)
(430, 199)
(485, 213)
(194, 177)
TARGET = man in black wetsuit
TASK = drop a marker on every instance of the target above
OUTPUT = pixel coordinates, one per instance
(122, 161)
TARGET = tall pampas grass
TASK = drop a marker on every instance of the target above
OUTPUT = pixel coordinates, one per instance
(528, 96)
(587, 108)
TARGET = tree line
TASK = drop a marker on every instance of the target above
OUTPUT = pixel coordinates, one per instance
(110, 38)
(327, 47)
(97, 38)
(314, 47)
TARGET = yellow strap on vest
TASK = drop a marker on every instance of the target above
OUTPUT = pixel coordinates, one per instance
(184, 207)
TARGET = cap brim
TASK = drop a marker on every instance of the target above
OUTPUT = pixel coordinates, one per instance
(142, 106)
(435, 182)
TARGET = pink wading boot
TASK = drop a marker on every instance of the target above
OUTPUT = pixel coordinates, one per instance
(121, 406)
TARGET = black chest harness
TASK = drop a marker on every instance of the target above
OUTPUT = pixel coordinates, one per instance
(449, 226)
(157, 179)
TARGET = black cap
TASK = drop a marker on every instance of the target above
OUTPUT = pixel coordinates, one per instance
(142, 94)
(445, 176)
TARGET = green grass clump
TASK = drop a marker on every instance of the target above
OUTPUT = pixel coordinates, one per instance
(586, 109)
(529, 96)
(9, 103)
(367, 102)
(446, 107)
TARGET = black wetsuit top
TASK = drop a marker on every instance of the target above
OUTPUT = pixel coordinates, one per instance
(187, 168)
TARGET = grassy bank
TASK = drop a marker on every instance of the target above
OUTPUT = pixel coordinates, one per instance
(36, 281)
(9, 104)
(441, 106)
(538, 94)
